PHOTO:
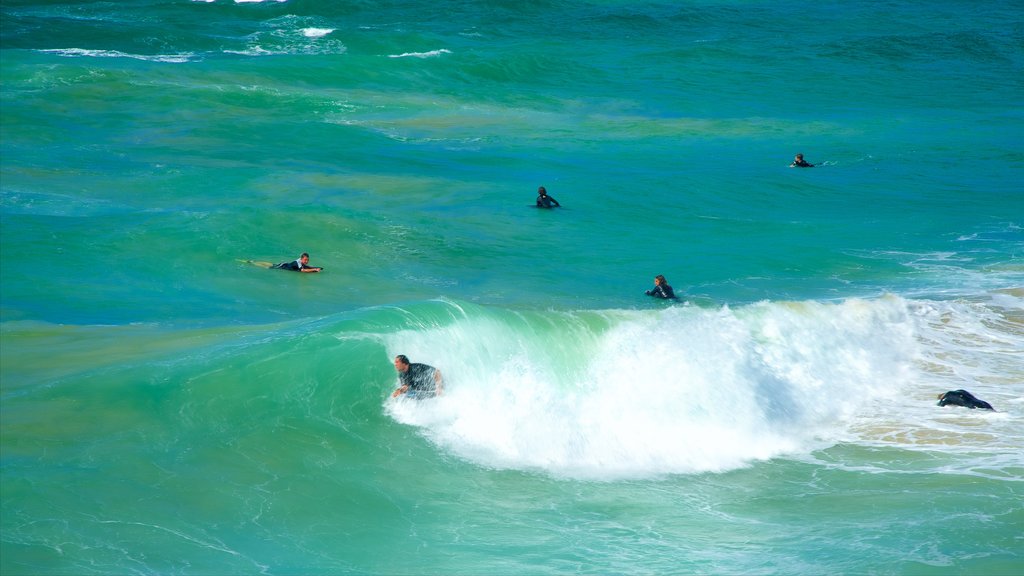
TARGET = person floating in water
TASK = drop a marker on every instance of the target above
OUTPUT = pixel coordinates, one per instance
(418, 380)
(799, 162)
(545, 201)
(300, 265)
(661, 289)
(963, 398)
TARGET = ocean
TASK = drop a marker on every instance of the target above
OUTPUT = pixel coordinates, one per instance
(169, 408)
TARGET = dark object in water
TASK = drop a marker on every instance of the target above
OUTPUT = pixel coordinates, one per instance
(963, 398)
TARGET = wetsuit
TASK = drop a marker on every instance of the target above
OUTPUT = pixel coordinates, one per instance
(963, 398)
(662, 291)
(545, 201)
(801, 164)
(420, 380)
(294, 266)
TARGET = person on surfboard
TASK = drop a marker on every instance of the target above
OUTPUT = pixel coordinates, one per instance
(545, 201)
(963, 398)
(661, 289)
(300, 265)
(799, 162)
(417, 380)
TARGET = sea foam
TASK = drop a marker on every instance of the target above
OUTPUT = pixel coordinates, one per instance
(680, 390)
(429, 54)
(316, 32)
(84, 53)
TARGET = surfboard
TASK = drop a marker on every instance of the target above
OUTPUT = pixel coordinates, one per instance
(257, 263)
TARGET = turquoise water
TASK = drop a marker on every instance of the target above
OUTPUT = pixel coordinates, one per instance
(168, 408)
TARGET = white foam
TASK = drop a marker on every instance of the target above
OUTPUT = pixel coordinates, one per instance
(316, 32)
(84, 53)
(687, 390)
(291, 35)
(977, 345)
(430, 54)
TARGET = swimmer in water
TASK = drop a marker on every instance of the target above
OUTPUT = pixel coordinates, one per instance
(799, 162)
(661, 289)
(545, 201)
(963, 398)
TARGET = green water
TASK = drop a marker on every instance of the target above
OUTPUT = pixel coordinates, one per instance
(168, 408)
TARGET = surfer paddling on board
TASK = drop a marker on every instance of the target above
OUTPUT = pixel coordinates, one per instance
(300, 265)
(417, 380)
(545, 201)
(799, 162)
(661, 289)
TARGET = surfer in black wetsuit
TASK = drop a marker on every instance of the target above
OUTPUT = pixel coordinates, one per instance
(661, 289)
(300, 265)
(799, 162)
(963, 398)
(420, 380)
(545, 201)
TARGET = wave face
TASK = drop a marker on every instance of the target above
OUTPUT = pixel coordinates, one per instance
(684, 390)
(688, 389)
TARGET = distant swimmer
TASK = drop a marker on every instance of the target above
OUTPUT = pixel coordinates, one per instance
(545, 201)
(963, 398)
(799, 162)
(661, 289)
(300, 265)
(417, 380)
